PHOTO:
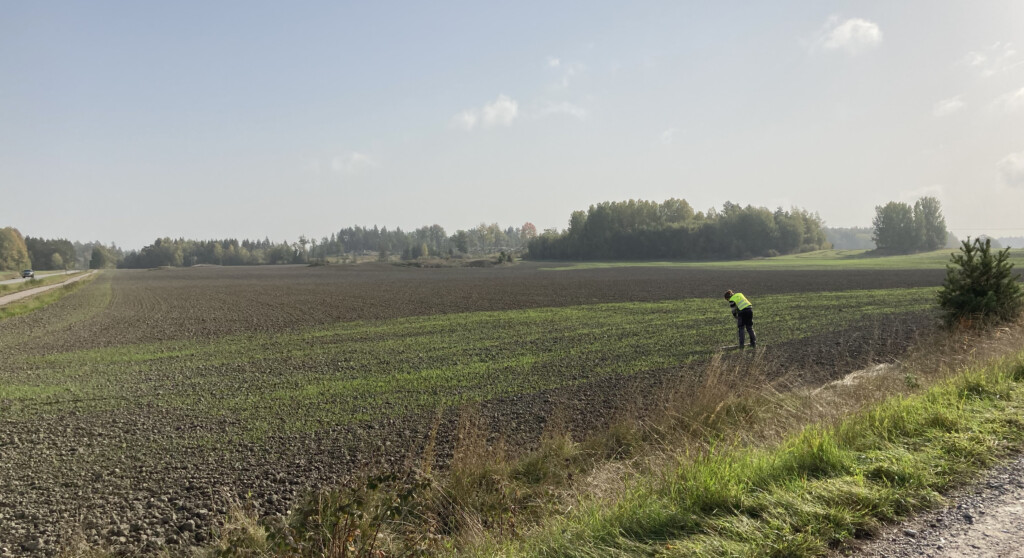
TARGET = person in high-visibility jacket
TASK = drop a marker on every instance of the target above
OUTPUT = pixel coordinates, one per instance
(743, 311)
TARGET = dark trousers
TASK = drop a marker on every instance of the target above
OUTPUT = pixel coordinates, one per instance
(745, 323)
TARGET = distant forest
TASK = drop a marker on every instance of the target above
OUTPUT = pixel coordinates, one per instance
(422, 242)
(18, 252)
(638, 229)
(632, 230)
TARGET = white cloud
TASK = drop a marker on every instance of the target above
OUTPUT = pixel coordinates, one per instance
(852, 36)
(466, 119)
(667, 137)
(996, 59)
(353, 162)
(1010, 102)
(975, 58)
(569, 109)
(567, 70)
(502, 112)
(948, 106)
(1011, 170)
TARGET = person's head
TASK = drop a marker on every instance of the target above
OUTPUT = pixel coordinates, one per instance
(728, 295)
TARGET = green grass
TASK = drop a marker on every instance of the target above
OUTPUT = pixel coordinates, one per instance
(5, 275)
(820, 487)
(822, 259)
(33, 283)
(358, 371)
(35, 302)
(92, 296)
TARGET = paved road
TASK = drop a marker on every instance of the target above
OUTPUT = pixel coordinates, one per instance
(30, 292)
(39, 276)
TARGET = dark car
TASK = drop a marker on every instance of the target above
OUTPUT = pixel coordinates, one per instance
(28, 274)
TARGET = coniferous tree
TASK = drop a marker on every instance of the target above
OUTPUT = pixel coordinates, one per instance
(980, 286)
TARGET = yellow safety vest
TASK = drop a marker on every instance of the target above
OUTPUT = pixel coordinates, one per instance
(740, 301)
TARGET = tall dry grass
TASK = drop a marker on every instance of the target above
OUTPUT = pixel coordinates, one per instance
(490, 494)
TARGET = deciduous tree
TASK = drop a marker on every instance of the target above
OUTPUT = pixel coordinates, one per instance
(528, 231)
(638, 229)
(894, 227)
(929, 224)
(13, 252)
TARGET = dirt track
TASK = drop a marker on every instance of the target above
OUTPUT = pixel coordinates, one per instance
(982, 520)
(7, 299)
(37, 276)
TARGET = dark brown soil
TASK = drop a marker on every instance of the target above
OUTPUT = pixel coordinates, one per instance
(141, 481)
(164, 304)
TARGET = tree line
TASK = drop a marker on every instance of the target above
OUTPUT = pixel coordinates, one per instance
(900, 227)
(427, 241)
(183, 252)
(639, 229)
(633, 229)
(18, 252)
(58, 253)
(25, 252)
(422, 242)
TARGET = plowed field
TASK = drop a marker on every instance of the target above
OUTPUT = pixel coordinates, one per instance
(134, 410)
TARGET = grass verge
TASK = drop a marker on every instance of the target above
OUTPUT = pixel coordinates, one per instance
(734, 468)
(815, 490)
(12, 288)
(43, 299)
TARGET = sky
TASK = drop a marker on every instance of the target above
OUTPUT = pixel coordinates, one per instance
(128, 121)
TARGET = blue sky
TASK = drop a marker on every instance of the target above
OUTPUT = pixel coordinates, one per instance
(127, 121)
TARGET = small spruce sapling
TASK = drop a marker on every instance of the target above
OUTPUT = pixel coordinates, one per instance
(980, 286)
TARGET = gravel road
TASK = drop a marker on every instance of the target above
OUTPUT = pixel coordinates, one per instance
(38, 276)
(7, 299)
(983, 520)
